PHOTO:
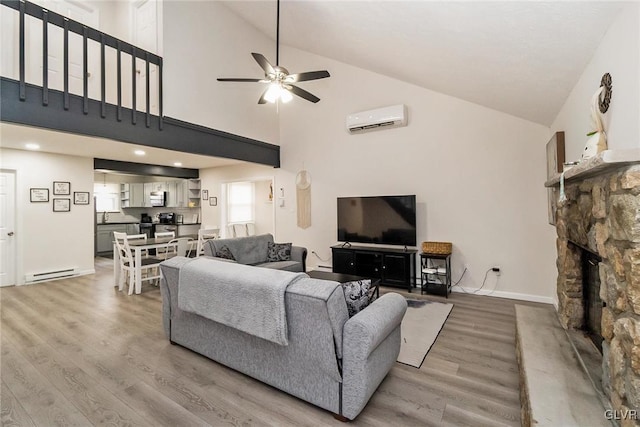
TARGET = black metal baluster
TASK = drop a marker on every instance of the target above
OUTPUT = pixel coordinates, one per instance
(85, 74)
(45, 57)
(148, 119)
(119, 108)
(23, 86)
(103, 86)
(160, 93)
(133, 86)
(65, 76)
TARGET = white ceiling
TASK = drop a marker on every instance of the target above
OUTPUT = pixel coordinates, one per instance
(17, 136)
(519, 57)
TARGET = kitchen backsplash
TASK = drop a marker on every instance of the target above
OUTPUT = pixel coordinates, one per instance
(134, 214)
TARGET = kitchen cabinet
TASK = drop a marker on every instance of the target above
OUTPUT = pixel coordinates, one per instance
(104, 235)
(125, 201)
(193, 193)
(188, 229)
(171, 188)
(136, 195)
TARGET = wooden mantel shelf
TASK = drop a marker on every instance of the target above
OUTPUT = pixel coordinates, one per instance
(608, 159)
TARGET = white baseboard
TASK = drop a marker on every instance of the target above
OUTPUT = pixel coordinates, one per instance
(503, 294)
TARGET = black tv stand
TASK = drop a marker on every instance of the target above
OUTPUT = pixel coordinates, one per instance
(346, 245)
(394, 267)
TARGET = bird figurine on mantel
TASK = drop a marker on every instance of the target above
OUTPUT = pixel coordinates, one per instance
(597, 141)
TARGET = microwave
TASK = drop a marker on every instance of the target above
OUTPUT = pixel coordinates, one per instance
(157, 198)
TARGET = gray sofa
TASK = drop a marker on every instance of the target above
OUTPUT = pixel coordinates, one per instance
(330, 360)
(252, 250)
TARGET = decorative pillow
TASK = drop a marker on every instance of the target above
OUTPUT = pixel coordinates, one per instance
(357, 295)
(225, 253)
(278, 252)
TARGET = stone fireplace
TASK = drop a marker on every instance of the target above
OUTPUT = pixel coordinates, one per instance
(599, 223)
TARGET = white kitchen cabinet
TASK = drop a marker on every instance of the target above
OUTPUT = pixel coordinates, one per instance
(125, 194)
(171, 187)
(136, 195)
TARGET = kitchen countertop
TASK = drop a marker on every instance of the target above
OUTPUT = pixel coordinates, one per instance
(118, 222)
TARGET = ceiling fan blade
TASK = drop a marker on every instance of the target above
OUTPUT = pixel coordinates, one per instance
(310, 75)
(302, 93)
(223, 79)
(262, 61)
(262, 99)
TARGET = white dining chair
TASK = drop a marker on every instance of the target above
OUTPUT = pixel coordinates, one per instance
(240, 230)
(181, 246)
(132, 237)
(128, 268)
(165, 235)
(205, 234)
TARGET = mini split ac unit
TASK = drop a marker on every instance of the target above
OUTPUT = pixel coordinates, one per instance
(380, 118)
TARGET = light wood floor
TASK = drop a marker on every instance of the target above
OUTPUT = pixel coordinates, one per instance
(78, 352)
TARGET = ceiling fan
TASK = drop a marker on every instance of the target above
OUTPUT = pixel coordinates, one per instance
(279, 80)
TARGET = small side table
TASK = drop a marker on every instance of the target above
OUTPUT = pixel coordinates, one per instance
(435, 272)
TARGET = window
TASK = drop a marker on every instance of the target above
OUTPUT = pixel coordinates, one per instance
(107, 197)
(240, 202)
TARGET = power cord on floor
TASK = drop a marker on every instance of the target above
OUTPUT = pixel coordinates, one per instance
(318, 256)
(477, 290)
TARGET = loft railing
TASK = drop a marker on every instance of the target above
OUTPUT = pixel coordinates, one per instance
(106, 41)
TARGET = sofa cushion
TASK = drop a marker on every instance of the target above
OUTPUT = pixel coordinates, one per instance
(246, 250)
(356, 294)
(278, 252)
(282, 265)
(225, 253)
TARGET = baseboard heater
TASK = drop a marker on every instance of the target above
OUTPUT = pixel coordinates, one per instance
(50, 275)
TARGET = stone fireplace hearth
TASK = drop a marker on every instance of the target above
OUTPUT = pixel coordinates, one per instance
(602, 214)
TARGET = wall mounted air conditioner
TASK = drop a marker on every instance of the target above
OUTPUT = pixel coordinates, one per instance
(380, 118)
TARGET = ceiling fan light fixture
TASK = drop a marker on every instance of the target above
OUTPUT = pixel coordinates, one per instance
(279, 79)
(285, 95)
(273, 93)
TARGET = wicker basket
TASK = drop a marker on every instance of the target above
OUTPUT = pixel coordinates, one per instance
(438, 248)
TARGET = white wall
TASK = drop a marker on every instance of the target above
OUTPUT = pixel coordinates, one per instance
(619, 55)
(263, 208)
(204, 41)
(40, 232)
(212, 179)
(478, 174)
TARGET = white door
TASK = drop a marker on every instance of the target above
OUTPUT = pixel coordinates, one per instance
(7, 228)
(145, 30)
(77, 11)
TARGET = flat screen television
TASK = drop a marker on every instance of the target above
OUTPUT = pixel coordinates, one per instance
(387, 220)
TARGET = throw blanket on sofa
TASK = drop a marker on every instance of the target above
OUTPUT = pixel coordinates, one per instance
(250, 299)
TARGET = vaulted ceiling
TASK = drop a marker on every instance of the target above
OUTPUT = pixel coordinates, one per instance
(519, 57)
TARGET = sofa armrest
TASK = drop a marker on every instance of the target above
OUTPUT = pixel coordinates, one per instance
(299, 254)
(371, 344)
(367, 329)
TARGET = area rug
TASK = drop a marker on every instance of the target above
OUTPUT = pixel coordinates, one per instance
(420, 328)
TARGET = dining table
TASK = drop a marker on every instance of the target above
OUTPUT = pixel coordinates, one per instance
(137, 247)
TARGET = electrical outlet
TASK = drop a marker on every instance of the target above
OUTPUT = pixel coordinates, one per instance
(496, 270)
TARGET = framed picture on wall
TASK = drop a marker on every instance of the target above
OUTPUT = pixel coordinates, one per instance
(38, 195)
(80, 197)
(213, 201)
(555, 155)
(61, 205)
(205, 194)
(61, 188)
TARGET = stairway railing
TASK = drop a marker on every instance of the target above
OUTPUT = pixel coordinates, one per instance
(106, 41)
